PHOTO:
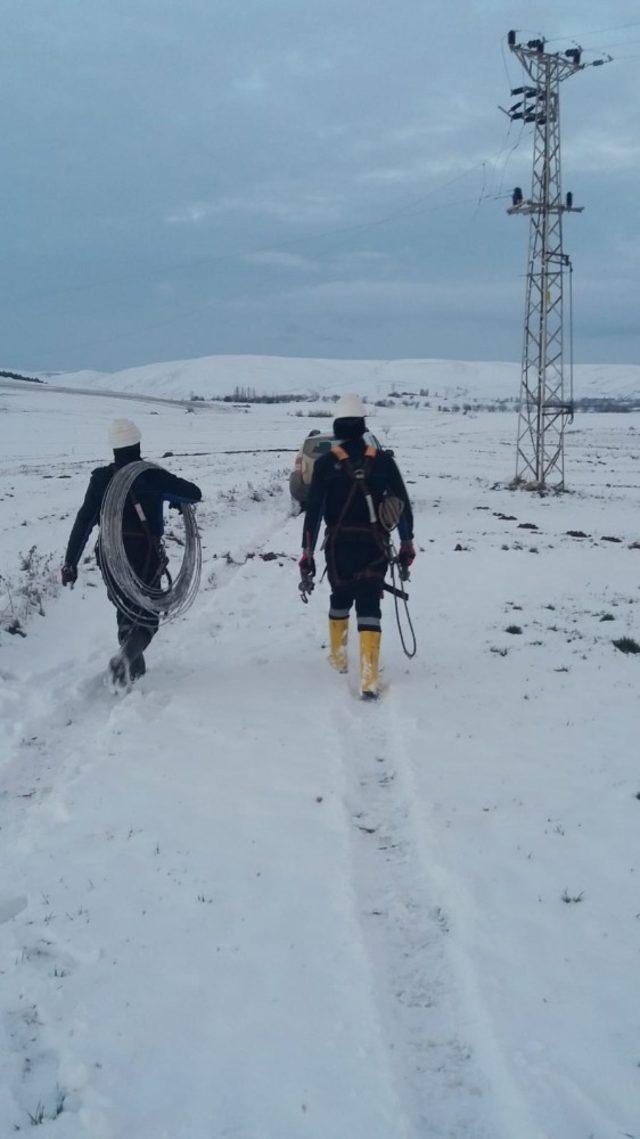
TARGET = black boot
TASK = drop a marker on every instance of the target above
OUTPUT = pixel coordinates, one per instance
(137, 668)
(129, 664)
(119, 671)
(133, 648)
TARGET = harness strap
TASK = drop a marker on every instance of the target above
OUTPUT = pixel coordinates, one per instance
(340, 453)
(358, 482)
(358, 478)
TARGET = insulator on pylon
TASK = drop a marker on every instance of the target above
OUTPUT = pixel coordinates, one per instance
(511, 38)
(569, 200)
(516, 197)
(536, 45)
(574, 54)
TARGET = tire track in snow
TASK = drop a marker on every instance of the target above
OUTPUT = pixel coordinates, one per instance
(405, 929)
(506, 1111)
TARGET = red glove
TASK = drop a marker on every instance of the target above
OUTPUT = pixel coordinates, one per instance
(68, 574)
(407, 555)
(307, 565)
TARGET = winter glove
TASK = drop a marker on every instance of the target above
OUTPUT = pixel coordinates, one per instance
(68, 574)
(307, 568)
(307, 565)
(407, 555)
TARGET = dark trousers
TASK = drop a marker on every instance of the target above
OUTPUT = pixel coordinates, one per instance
(356, 567)
(135, 638)
(366, 594)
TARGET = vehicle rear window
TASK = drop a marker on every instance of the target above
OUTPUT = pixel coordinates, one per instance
(317, 446)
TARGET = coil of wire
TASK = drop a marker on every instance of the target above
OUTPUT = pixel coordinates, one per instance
(143, 602)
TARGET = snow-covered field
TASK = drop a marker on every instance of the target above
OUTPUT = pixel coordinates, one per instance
(237, 903)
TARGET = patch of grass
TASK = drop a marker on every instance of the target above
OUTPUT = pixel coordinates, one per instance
(25, 595)
(572, 899)
(515, 630)
(627, 645)
(607, 617)
(37, 1117)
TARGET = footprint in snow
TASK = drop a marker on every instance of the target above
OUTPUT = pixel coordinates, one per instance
(11, 907)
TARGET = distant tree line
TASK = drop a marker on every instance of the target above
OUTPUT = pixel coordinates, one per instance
(249, 395)
(608, 403)
(18, 376)
(409, 399)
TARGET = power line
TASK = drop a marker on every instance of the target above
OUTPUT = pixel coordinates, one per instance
(592, 32)
(245, 254)
(186, 314)
(606, 46)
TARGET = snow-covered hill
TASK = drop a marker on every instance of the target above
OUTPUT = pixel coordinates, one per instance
(215, 376)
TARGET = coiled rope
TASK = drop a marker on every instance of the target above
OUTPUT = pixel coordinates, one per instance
(141, 601)
(389, 513)
(400, 596)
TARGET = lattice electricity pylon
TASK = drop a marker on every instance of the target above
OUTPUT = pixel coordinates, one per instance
(544, 408)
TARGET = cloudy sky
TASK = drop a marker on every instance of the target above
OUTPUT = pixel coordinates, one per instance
(300, 177)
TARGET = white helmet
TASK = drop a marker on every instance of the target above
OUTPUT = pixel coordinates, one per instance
(123, 433)
(349, 407)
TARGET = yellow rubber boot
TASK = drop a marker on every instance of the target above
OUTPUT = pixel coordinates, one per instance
(369, 657)
(338, 633)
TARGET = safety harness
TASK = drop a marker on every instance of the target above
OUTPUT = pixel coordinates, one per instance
(377, 567)
(380, 526)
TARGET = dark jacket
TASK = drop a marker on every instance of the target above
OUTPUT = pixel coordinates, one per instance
(152, 488)
(331, 487)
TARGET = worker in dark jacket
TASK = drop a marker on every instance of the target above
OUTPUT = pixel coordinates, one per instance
(349, 484)
(141, 539)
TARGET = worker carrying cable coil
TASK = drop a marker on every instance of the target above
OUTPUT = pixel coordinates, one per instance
(126, 499)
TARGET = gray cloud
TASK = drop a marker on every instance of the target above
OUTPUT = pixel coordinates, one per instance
(314, 178)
